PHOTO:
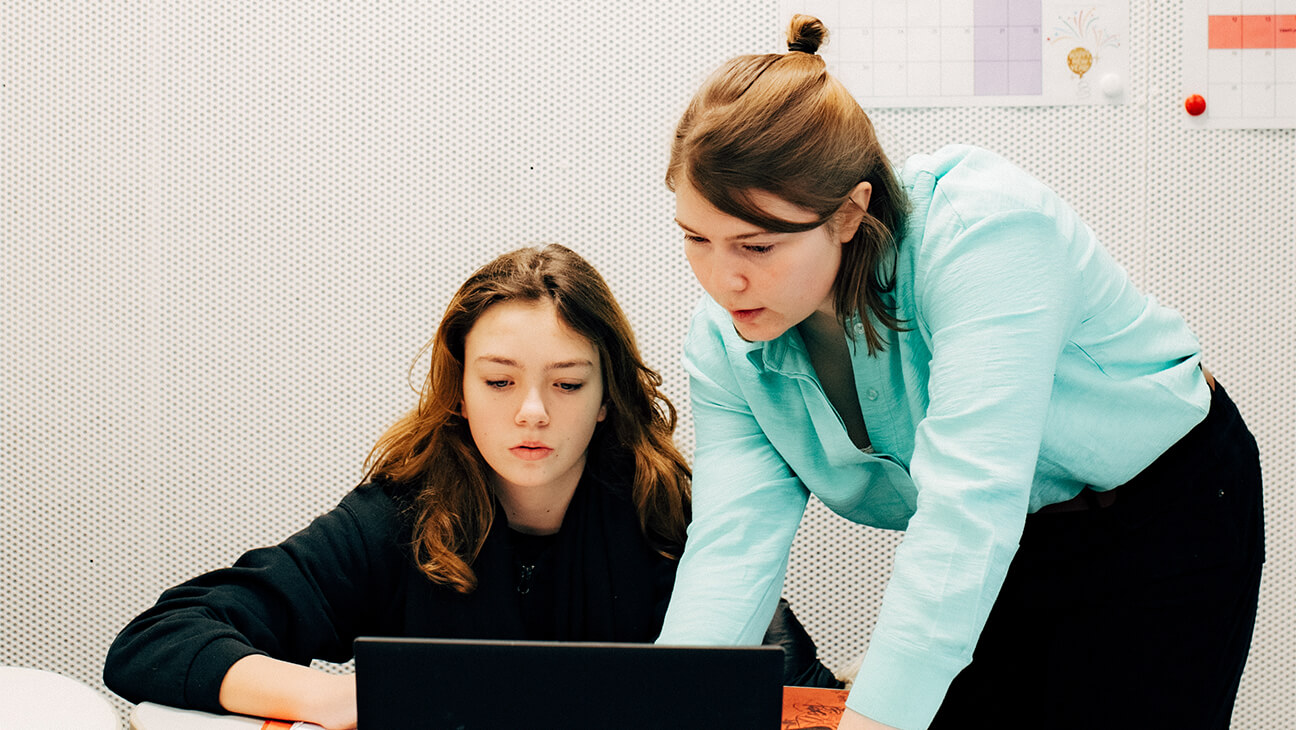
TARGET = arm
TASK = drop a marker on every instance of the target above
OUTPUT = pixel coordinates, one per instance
(746, 508)
(303, 599)
(263, 687)
(996, 300)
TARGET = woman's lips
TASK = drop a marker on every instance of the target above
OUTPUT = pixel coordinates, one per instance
(745, 315)
(531, 452)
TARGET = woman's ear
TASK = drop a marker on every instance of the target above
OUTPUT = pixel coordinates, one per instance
(852, 211)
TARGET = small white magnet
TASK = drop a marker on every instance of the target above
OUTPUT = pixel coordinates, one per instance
(1111, 85)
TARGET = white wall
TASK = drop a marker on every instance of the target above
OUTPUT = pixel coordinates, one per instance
(229, 226)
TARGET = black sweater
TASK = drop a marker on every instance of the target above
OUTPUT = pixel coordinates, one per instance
(351, 573)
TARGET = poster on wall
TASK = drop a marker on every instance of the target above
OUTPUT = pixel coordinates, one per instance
(916, 53)
(1239, 64)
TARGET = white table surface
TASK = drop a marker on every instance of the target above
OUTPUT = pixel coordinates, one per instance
(35, 699)
(150, 716)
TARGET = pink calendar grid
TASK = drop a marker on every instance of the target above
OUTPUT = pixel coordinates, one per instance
(1251, 65)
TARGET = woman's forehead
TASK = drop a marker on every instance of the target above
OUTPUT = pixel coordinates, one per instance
(528, 329)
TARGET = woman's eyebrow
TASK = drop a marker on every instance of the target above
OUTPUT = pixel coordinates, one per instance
(560, 365)
(565, 364)
(740, 236)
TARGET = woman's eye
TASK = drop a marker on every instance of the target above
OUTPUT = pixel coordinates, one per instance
(759, 248)
(690, 238)
(497, 383)
(571, 386)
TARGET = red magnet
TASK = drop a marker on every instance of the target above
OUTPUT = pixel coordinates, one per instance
(1195, 105)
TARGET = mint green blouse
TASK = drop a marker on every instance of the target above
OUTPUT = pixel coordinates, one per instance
(1031, 368)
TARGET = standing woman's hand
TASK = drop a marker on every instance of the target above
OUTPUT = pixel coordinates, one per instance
(852, 720)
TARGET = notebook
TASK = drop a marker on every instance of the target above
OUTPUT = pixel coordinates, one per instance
(486, 685)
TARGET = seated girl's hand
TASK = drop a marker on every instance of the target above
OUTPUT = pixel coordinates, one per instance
(336, 703)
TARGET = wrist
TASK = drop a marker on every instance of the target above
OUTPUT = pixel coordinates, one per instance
(331, 701)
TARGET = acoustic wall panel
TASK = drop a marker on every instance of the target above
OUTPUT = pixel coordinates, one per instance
(228, 228)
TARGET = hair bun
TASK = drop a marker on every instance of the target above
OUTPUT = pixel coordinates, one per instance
(805, 34)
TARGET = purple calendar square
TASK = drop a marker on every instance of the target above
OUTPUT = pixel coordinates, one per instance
(990, 12)
(1024, 44)
(1025, 12)
(990, 78)
(990, 43)
(1025, 77)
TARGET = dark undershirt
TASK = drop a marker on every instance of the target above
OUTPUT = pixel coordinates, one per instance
(533, 572)
(830, 355)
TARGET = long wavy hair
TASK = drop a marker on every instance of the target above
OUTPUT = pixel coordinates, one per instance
(778, 122)
(431, 449)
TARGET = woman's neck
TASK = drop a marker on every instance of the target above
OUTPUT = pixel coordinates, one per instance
(821, 326)
(535, 510)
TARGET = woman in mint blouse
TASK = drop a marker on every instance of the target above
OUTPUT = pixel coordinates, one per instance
(947, 349)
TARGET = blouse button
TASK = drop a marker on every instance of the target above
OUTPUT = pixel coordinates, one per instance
(859, 328)
(871, 394)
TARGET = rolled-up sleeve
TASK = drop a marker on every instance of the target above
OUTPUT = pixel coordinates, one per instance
(303, 599)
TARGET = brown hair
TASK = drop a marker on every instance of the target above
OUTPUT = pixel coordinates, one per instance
(780, 123)
(431, 447)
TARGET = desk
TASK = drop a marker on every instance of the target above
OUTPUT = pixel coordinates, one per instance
(803, 707)
(39, 700)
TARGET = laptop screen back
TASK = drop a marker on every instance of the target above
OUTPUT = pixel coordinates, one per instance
(481, 684)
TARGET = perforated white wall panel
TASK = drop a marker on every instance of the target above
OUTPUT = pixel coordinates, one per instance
(229, 226)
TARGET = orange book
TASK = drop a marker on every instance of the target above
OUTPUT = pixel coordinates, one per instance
(812, 708)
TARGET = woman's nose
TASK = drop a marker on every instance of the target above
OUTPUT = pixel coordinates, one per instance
(734, 279)
(717, 272)
(532, 411)
(727, 273)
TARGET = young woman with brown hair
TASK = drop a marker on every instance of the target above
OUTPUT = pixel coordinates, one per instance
(947, 349)
(533, 493)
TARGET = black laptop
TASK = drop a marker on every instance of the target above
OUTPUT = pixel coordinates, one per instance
(490, 685)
